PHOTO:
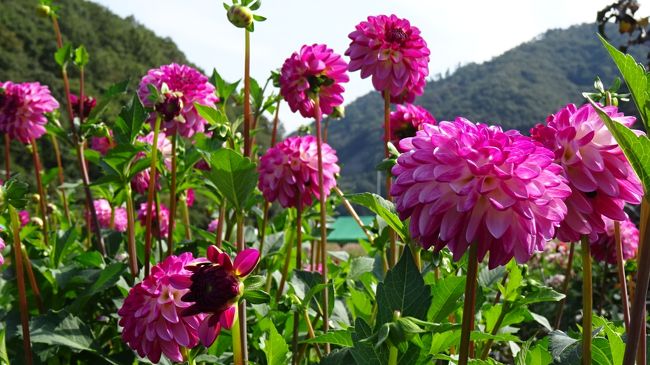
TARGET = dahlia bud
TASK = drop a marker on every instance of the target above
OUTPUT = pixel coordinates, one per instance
(36, 198)
(170, 108)
(338, 112)
(37, 221)
(240, 16)
(43, 11)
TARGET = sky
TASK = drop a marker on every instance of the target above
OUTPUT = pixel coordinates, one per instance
(457, 32)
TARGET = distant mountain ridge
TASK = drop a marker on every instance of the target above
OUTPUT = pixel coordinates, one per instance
(516, 90)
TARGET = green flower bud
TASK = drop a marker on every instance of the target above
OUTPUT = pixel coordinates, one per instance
(338, 112)
(44, 11)
(240, 16)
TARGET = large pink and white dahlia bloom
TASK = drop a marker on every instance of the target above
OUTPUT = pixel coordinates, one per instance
(151, 313)
(22, 109)
(289, 171)
(604, 247)
(314, 69)
(215, 288)
(179, 88)
(463, 183)
(394, 53)
(600, 177)
(406, 120)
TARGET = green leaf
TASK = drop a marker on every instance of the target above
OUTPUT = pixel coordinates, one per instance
(340, 338)
(234, 175)
(540, 294)
(129, 123)
(110, 94)
(211, 115)
(61, 329)
(562, 346)
(441, 342)
(4, 356)
(61, 243)
(365, 353)
(448, 292)
(511, 291)
(16, 193)
(92, 259)
(636, 148)
(81, 56)
(257, 296)
(383, 208)
(403, 290)
(360, 266)
(107, 278)
(488, 278)
(275, 348)
(635, 77)
(63, 55)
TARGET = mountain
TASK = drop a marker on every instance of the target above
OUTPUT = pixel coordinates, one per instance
(515, 90)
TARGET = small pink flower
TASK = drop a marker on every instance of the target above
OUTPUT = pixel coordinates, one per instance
(600, 177)
(290, 169)
(2, 247)
(102, 144)
(212, 227)
(179, 88)
(160, 223)
(189, 198)
(394, 53)
(89, 104)
(463, 183)
(121, 219)
(604, 247)
(103, 211)
(152, 312)
(315, 69)
(140, 182)
(214, 289)
(24, 217)
(22, 109)
(407, 120)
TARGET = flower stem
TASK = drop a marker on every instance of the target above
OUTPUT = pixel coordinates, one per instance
(22, 295)
(565, 286)
(220, 223)
(32, 282)
(392, 355)
(387, 137)
(172, 199)
(353, 213)
(241, 306)
(59, 164)
(468, 308)
(150, 195)
(310, 331)
(323, 219)
(497, 326)
(587, 299)
(285, 268)
(236, 342)
(247, 94)
(296, 315)
(41, 192)
(185, 213)
(130, 231)
(7, 156)
(620, 264)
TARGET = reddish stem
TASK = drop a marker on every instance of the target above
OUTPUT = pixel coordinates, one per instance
(247, 95)
(466, 347)
(620, 265)
(387, 138)
(59, 164)
(241, 307)
(150, 197)
(172, 200)
(220, 223)
(41, 192)
(22, 292)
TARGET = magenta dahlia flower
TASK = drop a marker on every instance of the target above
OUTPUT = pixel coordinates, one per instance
(212, 227)
(407, 120)
(22, 109)
(120, 221)
(104, 211)
(160, 223)
(24, 217)
(290, 169)
(190, 197)
(102, 144)
(600, 177)
(463, 183)
(315, 69)
(179, 88)
(214, 289)
(151, 313)
(140, 182)
(89, 104)
(2, 247)
(394, 53)
(604, 247)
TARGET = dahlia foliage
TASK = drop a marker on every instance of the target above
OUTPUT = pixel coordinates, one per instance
(22, 109)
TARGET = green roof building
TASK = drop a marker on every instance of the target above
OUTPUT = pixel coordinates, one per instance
(346, 230)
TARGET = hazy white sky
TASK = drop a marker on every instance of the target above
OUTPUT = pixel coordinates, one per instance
(456, 31)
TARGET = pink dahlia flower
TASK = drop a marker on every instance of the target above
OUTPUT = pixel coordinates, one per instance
(394, 53)
(104, 211)
(151, 313)
(102, 144)
(160, 223)
(315, 68)
(120, 221)
(600, 177)
(463, 183)
(179, 88)
(24, 217)
(22, 109)
(289, 170)
(407, 120)
(604, 247)
(212, 227)
(140, 181)
(190, 197)
(214, 289)
(89, 104)
(2, 247)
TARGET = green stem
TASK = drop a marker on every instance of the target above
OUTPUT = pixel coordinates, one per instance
(387, 136)
(130, 232)
(468, 308)
(247, 94)
(41, 191)
(185, 212)
(392, 355)
(497, 326)
(620, 266)
(296, 315)
(587, 304)
(236, 342)
(241, 306)
(220, 223)
(22, 293)
(172, 199)
(150, 194)
(59, 164)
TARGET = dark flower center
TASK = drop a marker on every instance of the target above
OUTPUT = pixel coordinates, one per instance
(213, 288)
(318, 81)
(88, 105)
(170, 108)
(407, 130)
(591, 194)
(396, 35)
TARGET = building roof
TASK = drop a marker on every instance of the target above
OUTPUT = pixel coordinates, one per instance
(345, 229)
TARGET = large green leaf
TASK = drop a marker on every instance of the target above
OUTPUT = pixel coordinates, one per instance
(635, 77)
(341, 338)
(448, 292)
(365, 353)
(403, 290)
(107, 278)
(61, 330)
(275, 348)
(234, 176)
(636, 148)
(129, 123)
(382, 207)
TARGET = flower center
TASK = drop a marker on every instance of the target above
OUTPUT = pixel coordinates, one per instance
(407, 130)
(396, 35)
(318, 81)
(170, 107)
(214, 288)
